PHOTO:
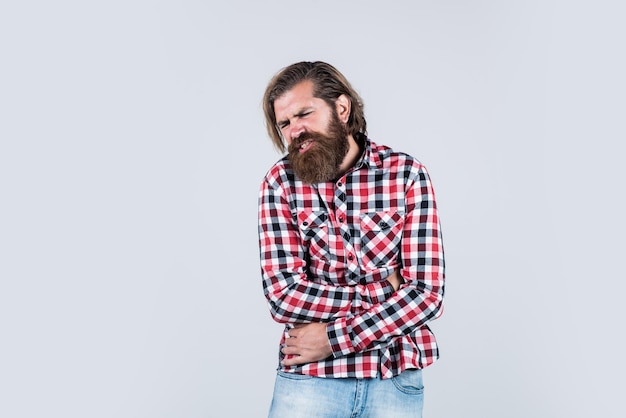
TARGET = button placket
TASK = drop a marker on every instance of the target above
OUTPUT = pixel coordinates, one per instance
(340, 215)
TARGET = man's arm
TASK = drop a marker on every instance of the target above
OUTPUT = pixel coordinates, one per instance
(309, 342)
(420, 298)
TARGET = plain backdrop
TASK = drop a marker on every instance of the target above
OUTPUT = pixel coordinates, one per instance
(132, 150)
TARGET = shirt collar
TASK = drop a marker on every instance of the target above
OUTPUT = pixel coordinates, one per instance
(373, 154)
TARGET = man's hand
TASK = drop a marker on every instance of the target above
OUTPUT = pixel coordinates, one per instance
(306, 343)
(395, 279)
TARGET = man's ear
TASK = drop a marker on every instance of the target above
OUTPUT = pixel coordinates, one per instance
(343, 106)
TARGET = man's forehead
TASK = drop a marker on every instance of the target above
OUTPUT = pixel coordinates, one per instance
(295, 99)
(303, 89)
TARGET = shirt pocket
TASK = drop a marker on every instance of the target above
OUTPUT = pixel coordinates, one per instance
(381, 233)
(315, 236)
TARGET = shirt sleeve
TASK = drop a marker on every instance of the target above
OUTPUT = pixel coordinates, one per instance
(292, 296)
(419, 299)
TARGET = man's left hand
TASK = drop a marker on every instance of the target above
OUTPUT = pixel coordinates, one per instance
(306, 343)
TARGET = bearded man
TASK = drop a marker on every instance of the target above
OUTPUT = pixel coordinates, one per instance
(351, 255)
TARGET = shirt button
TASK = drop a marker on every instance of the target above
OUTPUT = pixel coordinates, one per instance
(350, 257)
(341, 219)
(340, 184)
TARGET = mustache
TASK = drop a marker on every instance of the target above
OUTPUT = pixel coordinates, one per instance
(304, 136)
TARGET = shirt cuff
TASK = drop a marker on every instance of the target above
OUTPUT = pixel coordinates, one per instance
(339, 336)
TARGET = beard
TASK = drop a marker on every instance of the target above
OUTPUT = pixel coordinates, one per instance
(320, 163)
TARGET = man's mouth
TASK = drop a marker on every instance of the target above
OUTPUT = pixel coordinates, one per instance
(304, 146)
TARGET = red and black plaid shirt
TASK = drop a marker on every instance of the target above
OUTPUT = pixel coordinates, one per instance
(327, 248)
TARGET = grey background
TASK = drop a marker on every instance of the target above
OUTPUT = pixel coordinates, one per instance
(133, 146)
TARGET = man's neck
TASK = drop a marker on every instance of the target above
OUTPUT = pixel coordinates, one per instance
(353, 155)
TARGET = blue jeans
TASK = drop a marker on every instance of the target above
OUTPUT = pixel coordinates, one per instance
(297, 396)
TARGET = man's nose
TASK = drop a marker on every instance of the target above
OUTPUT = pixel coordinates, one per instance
(295, 130)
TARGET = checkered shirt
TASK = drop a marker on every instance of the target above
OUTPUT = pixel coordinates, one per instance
(326, 250)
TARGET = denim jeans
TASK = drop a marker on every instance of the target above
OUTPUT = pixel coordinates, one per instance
(297, 396)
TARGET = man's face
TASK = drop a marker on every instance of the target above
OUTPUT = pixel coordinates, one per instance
(316, 138)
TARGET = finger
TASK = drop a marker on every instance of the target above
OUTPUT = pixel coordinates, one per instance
(290, 351)
(291, 342)
(293, 361)
(289, 362)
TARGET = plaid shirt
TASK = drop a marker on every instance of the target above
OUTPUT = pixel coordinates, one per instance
(327, 248)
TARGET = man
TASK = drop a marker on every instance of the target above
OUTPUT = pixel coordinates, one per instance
(351, 255)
